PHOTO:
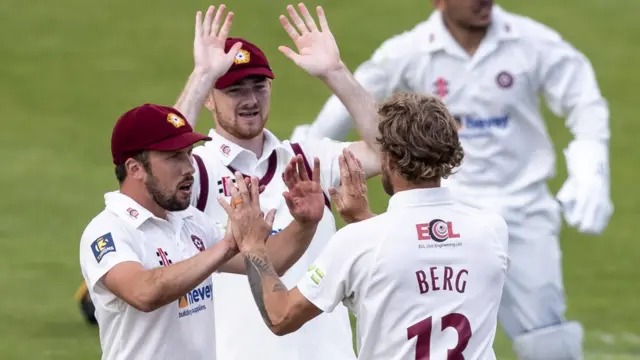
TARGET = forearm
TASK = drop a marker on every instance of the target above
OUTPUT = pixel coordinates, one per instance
(360, 104)
(194, 95)
(270, 294)
(167, 284)
(333, 121)
(286, 247)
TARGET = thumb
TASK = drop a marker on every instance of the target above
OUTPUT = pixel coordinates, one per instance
(234, 50)
(289, 53)
(271, 215)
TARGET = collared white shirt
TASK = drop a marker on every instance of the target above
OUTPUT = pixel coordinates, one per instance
(125, 231)
(411, 288)
(494, 96)
(237, 316)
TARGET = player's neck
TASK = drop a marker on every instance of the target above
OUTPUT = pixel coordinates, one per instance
(468, 39)
(400, 184)
(255, 144)
(144, 199)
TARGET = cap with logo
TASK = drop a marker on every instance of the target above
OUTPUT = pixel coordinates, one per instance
(250, 61)
(151, 127)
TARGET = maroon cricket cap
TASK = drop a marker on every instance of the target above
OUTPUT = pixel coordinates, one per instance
(151, 127)
(250, 61)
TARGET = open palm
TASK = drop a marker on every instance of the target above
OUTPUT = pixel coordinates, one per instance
(209, 42)
(305, 198)
(318, 52)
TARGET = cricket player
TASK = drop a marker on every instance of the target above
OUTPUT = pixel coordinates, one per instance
(489, 66)
(239, 102)
(424, 278)
(148, 257)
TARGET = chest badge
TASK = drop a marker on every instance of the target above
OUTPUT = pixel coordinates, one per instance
(504, 80)
(199, 244)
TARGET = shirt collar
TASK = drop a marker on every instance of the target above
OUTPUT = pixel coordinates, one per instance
(229, 150)
(438, 37)
(133, 213)
(420, 197)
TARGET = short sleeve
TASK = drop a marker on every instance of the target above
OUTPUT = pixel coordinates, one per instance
(104, 244)
(327, 151)
(340, 272)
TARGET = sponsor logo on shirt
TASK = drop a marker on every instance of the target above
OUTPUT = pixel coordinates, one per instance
(474, 126)
(190, 303)
(275, 231)
(439, 233)
(102, 246)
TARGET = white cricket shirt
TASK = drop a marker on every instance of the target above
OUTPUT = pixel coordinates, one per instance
(417, 294)
(493, 94)
(240, 330)
(125, 231)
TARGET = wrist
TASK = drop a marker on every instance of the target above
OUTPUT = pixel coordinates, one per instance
(203, 74)
(252, 245)
(336, 74)
(362, 215)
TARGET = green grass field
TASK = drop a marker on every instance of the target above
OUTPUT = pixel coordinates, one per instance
(69, 68)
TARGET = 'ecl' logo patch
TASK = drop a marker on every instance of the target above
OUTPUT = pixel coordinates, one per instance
(102, 246)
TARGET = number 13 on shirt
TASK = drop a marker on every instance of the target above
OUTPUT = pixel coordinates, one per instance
(422, 330)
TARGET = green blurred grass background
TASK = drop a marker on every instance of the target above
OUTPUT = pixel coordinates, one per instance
(69, 68)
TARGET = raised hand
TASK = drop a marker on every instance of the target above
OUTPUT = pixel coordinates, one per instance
(304, 198)
(247, 222)
(351, 200)
(318, 52)
(208, 45)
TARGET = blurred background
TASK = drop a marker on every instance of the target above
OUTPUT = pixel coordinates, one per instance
(69, 68)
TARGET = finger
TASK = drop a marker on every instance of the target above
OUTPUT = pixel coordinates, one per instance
(215, 25)
(208, 18)
(226, 27)
(345, 178)
(255, 193)
(198, 24)
(324, 25)
(296, 172)
(297, 20)
(225, 205)
(354, 169)
(233, 51)
(302, 170)
(293, 33)
(311, 24)
(288, 175)
(233, 190)
(289, 53)
(316, 170)
(242, 187)
(271, 215)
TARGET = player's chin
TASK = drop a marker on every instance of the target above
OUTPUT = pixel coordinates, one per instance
(183, 198)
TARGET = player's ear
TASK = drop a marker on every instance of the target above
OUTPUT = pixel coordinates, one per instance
(210, 103)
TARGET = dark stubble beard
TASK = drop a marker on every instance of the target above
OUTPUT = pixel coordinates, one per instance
(167, 201)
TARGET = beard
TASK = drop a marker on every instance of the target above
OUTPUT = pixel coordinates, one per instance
(234, 129)
(166, 200)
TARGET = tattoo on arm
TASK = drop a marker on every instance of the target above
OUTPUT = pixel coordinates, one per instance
(260, 270)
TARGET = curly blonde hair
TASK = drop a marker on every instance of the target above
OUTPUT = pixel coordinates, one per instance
(419, 136)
